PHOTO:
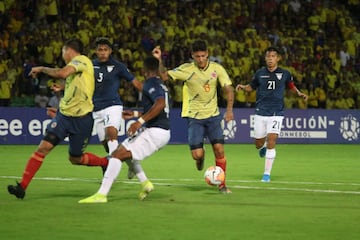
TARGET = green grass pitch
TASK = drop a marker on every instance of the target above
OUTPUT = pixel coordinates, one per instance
(314, 194)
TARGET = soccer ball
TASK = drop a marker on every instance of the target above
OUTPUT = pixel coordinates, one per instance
(214, 175)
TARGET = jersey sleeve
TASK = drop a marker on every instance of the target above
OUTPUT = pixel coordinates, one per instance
(79, 63)
(180, 73)
(254, 84)
(124, 72)
(223, 76)
(155, 91)
(289, 79)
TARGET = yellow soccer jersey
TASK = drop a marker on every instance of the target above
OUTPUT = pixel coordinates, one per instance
(185, 102)
(201, 86)
(79, 88)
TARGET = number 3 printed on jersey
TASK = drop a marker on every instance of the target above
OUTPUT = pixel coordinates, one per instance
(100, 78)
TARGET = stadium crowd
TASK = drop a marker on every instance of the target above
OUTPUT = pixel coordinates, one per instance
(320, 41)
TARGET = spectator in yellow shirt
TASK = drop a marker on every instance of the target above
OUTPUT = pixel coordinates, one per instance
(313, 97)
(240, 96)
(5, 90)
(321, 93)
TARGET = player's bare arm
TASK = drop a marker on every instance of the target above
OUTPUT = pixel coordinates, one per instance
(53, 72)
(294, 89)
(229, 91)
(246, 88)
(58, 86)
(51, 111)
(137, 84)
(300, 94)
(156, 52)
(154, 111)
(128, 114)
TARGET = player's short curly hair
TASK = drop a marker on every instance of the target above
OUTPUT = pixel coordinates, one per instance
(103, 41)
(199, 45)
(151, 64)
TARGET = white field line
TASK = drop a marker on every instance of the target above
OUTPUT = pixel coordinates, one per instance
(170, 182)
(275, 182)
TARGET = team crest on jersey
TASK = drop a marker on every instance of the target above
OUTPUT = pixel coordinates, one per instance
(278, 75)
(53, 125)
(151, 90)
(214, 75)
(110, 68)
(75, 62)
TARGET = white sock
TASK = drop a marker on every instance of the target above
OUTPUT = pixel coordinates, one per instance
(269, 160)
(110, 175)
(140, 174)
(112, 145)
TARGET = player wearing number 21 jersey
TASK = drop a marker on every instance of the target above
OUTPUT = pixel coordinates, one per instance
(270, 83)
(270, 88)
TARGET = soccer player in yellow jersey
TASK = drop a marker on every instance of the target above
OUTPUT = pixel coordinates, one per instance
(74, 118)
(200, 103)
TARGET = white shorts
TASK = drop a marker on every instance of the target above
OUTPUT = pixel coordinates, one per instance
(263, 125)
(146, 142)
(107, 117)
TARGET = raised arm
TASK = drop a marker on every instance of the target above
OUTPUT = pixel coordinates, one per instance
(246, 88)
(156, 52)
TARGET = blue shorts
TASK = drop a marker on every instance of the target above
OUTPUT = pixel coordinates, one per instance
(78, 129)
(198, 129)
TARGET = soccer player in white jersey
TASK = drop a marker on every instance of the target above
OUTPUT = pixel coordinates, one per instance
(270, 83)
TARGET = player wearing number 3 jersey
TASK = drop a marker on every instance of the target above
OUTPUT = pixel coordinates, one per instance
(270, 83)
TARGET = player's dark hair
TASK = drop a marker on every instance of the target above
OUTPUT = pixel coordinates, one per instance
(103, 41)
(75, 44)
(198, 45)
(273, 49)
(151, 64)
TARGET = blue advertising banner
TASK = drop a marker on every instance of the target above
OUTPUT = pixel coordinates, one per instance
(28, 125)
(300, 126)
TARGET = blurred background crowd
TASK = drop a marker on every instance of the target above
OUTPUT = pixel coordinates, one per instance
(320, 41)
